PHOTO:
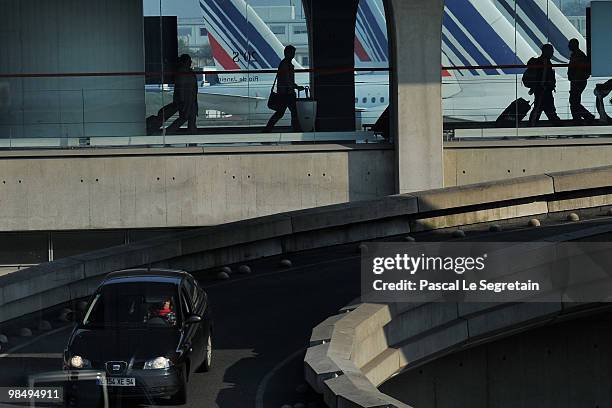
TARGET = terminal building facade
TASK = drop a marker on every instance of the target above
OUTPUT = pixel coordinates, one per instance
(82, 168)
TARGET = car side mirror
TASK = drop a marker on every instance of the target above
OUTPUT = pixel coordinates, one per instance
(193, 319)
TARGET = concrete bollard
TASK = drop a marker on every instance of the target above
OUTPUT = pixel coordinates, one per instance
(534, 222)
(495, 228)
(573, 217)
(408, 238)
(44, 325)
(459, 233)
(222, 276)
(25, 332)
(299, 405)
(227, 270)
(3, 339)
(244, 269)
(286, 263)
(286, 406)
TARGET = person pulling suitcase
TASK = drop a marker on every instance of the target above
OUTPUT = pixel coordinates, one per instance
(540, 79)
(284, 98)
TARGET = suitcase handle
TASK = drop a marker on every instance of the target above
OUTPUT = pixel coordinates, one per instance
(306, 92)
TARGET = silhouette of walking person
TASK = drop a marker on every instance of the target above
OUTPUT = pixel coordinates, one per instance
(185, 96)
(286, 86)
(578, 73)
(543, 87)
(601, 91)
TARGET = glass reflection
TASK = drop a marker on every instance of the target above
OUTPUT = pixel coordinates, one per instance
(372, 64)
(487, 47)
(62, 92)
(237, 46)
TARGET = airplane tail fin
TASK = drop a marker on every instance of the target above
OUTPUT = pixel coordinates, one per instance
(371, 43)
(450, 81)
(223, 59)
(239, 38)
(476, 34)
(540, 22)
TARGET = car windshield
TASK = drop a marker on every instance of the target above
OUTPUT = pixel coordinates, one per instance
(134, 304)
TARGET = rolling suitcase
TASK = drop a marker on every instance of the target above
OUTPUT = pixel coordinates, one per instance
(515, 112)
(307, 111)
(156, 122)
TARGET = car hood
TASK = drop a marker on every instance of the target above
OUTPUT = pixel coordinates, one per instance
(123, 344)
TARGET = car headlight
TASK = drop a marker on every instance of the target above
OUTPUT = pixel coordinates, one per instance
(157, 363)
(77, 361)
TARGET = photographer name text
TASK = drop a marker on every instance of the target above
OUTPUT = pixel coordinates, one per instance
(457, 285)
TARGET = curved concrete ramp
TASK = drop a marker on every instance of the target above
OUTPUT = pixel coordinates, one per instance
(562, 364)
(547, 195)
(351, 354)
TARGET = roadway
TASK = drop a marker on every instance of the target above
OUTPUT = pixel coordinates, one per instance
(262, 326)
(263, 322)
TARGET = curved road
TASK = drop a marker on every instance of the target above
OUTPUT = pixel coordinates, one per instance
(262, 325)
(263, 322)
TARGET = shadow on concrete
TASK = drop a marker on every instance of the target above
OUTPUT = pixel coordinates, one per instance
(566, 364)
(371, 174)
(261, 322)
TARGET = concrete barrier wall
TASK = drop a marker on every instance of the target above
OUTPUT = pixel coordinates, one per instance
(558, 364)
(467, 162)
(352, 353)
(178, 187)
(159, 188)
(32, 289)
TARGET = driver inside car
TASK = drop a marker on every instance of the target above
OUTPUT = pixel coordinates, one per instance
(167, 312)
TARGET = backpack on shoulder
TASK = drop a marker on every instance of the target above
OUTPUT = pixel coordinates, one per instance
(530, 76)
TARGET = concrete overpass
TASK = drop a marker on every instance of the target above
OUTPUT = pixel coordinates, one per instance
(259, 361)
(553, 194)
(311, 238)
(103, 189)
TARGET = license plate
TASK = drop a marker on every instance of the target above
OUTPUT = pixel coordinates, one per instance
(117, 382)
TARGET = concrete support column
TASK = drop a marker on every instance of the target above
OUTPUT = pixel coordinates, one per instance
(332, 46)
(415, 30)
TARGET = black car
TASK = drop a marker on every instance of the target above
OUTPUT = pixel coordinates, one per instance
(147, 330)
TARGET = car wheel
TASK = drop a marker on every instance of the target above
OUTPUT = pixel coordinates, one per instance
(180, 398)
(207, 363)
